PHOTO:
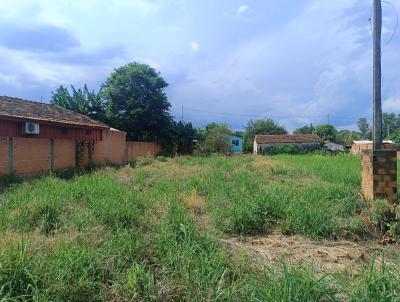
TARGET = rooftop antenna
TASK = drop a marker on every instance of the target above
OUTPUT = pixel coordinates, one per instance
(377, 74)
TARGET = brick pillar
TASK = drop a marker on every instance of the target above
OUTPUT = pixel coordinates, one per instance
(379, 174)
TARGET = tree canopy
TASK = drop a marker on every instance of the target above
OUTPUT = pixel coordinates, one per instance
(304, 130)
(136, 102)
(363, 126)
(81, 100)
(326, 132)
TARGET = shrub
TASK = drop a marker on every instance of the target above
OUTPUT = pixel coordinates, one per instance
(290, 149)
(9, 180)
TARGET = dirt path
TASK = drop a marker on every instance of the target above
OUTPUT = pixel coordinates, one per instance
(326, 256)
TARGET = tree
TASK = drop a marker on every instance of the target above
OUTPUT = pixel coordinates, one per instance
(216, 137)
(326, 132)
(264, 126)
(363, 126)
(389, 124)
(184, 136)
(395, 136)
(304, 130)
(137, 103)
(81, 101)
(346, 137)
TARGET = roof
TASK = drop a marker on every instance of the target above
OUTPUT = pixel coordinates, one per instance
(15, 108)
(295, 138)
(334, 147)
(365, 142)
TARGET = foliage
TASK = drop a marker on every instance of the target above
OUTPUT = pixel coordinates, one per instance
(8, 180)
(153, 233)
(184, 135)
(364, 128)
(304, 130)
(82, 101)
(215, 139)
(346, 137)
(290, 148)
(390, 123)
(326, 132)
(258, 127)
(395, 136)
(137, 103)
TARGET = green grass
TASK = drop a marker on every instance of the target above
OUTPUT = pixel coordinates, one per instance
(152, 233)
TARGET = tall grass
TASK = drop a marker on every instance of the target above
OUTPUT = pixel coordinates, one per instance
(132, 234)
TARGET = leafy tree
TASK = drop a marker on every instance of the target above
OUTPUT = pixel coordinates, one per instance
(184, 136)
(137, 103)
(389, 124)
(216, 138)
(81, 101)
(304, 130)
(363, 126)
(395, 136)
(326, 132)
(264, 126)
(346, 137)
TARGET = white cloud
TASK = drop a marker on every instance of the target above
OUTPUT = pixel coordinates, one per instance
(391, 104)
(242, 9)
(195, 46)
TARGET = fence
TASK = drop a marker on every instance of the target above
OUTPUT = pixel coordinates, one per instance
(29, 156)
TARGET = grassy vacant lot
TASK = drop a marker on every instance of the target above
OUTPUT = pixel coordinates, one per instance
(161, 232)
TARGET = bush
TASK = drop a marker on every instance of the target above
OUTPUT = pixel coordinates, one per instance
(290, 149)
(9, 180)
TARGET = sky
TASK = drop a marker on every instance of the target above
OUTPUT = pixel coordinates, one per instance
(228, 61)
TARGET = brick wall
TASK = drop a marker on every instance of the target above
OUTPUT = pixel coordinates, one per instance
(34, 155)
(357, 149)
(135, 150)
(379, 175)
(31, 155)
(64, 154)
(115, 146)
(3, 155)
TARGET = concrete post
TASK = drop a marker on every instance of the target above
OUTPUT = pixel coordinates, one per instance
(10, 144)
(52, 155)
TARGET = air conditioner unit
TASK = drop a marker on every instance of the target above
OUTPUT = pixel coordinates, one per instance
(30, 128)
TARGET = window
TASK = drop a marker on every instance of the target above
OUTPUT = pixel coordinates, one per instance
(235, 142)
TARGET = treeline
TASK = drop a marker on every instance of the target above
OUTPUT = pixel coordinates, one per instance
(133, 99)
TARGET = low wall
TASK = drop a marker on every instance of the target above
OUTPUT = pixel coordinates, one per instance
(30, 156)
(358, 149)
(135, 150)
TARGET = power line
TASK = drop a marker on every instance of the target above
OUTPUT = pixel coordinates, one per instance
(330, 117)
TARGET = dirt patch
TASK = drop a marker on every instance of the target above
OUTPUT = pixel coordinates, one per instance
(261, 163)
(327, 257)
(196, 205)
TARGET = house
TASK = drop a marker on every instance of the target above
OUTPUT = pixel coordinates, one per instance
(262, 143)
(38, 137)
(358, 147)
(235, 144)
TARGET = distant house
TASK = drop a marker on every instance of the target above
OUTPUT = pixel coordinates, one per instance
(262, 143)
(359, 146)
(235, 144)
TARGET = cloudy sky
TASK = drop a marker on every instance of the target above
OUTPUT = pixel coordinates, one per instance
(229, 61)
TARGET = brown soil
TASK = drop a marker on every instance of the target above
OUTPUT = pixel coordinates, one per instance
(325, 256)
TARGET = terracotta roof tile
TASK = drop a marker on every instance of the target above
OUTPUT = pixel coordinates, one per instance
(23, 109)
(296, 138)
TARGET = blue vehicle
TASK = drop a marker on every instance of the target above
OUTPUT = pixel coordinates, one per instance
(235, 144)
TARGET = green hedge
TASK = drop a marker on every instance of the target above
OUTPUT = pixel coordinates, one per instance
(290, 149)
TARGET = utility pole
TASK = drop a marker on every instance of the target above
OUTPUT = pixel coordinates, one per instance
(377, 74)
(182, 114)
